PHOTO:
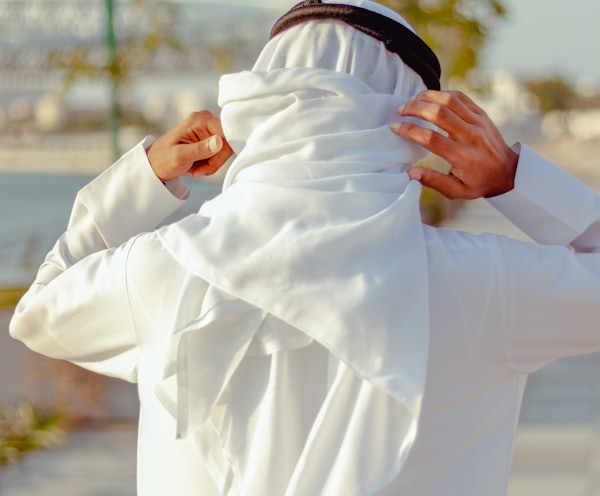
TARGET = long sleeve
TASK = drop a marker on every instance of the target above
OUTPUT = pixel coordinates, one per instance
(553, 297)
(552, 293)
(550, 205)
(77, 307)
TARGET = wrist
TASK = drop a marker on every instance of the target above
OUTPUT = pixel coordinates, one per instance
(154, 161)
(507, 171)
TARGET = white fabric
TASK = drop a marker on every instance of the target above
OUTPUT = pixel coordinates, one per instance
(496, 315)
(289, 335)
(557, 223)
(335, 46)
(319, 226)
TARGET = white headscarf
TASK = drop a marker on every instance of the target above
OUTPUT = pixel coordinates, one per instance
(315, 246)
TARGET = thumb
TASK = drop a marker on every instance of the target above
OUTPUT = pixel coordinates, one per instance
(209, 147)
(203, 149)
(445, 184)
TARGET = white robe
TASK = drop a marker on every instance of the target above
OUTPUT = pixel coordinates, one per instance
(499, 310)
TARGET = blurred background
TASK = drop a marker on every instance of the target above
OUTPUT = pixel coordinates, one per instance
(81, 81)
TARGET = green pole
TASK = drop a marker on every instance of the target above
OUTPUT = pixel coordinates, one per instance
(115, 110)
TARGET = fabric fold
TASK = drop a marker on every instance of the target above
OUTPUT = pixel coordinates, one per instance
(311, 363)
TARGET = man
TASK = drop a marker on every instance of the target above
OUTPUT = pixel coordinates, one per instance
(303, 333)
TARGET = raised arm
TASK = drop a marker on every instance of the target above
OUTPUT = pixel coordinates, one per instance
(545, 202)
(76, 309)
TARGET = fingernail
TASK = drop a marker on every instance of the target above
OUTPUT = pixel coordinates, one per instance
(415, 174)
(214, 143)
(395, 126)
(400, 108)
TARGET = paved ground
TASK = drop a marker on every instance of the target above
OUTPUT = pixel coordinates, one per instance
(96, 461)
(93, 462)
(557, 450)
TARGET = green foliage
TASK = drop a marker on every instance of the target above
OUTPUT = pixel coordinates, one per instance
(24, 429)
(455, 29)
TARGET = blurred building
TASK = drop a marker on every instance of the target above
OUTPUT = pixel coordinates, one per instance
(163, 88)
(215, 37)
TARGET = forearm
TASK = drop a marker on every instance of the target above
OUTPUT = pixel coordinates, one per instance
(551, 206)
(126, 199)
(78, 306)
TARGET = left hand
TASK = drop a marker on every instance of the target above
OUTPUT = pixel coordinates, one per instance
(481, 163)
(195, 147)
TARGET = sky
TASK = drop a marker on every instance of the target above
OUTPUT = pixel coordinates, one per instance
(547, 37)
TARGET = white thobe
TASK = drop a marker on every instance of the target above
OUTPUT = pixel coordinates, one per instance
(500, 309)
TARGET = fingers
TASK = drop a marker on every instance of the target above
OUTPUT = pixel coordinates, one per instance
(201, 145)
(200, 126)
(187, 153)
(195, 146)
(447, 184)
(213, 164)
(210, 154)
(455, 101)
(481, 163)
(451, 111)
(205, 149)
(218, 160)
(205, 157)
(429, 139)
(214, 127)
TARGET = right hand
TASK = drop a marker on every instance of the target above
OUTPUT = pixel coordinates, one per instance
(196, 147)
(481, 163)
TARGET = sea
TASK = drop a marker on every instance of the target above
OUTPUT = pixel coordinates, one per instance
(35, 209)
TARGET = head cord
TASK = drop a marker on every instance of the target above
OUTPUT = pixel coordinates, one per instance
(396, 37)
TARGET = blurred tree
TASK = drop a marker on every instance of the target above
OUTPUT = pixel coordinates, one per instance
(155, 28)
(552, 94)
(556, 93)
(455, 29)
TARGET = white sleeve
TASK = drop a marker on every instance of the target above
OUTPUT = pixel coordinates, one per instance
(554, 303)
(77, 307)
(551, 206)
